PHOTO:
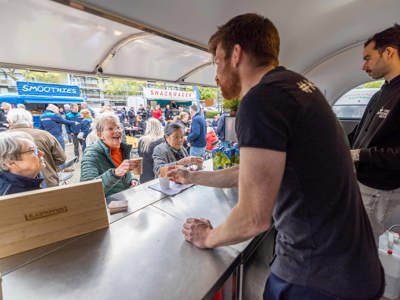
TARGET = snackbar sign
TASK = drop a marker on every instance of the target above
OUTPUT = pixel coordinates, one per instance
(150, 93)
(46, 89)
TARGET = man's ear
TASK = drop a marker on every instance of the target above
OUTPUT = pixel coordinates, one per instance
(237, 53)
(390, 51)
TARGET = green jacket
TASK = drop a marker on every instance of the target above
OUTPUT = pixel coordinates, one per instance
(97, 163)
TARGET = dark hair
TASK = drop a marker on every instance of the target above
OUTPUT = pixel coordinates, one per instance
(256, 35)
(171, 128)
(389, 37)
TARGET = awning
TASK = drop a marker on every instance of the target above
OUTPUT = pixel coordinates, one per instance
(16, 99)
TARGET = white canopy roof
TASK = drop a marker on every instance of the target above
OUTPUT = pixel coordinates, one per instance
(167, 39)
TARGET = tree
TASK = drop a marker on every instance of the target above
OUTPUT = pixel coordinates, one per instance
(208, 93)
(373, 84)
(48, 77)
(123, 87)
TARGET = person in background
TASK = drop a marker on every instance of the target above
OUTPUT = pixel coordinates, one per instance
(162, 121)
(375, 142)
(5, 107)
(84, 105)
(121, 114)
(142, 112)
(325, 247)
(108, 158)
(20, 105)
(197, 134)
(214, 123)
(75, 117)
(157, 112)
(53, 154)
(86, 127)
(141, 123)
(183, 120)
(51, 121)
(132, 116)
(20, 163)
(171, 152)
(211, 139)
(168, 113)
(107, 109)
(221, 130)
(152, 137)
(66, 109)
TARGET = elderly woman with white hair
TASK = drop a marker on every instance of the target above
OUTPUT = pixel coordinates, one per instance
(20, 163)
(108, 157)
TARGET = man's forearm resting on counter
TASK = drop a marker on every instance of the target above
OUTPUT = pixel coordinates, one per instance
(253, 213)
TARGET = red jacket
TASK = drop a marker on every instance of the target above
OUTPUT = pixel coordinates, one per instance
(157, 113)
(211, 140)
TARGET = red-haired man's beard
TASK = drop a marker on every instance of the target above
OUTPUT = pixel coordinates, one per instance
(229, 83)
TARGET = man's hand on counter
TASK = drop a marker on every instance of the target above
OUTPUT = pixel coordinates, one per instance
(179, 175)
(196, 231)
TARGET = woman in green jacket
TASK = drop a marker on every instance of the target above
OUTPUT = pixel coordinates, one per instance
(108, 158)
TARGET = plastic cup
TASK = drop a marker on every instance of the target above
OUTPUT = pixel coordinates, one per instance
(138, 166)
(164, 183)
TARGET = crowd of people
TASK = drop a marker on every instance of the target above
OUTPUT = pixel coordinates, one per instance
(296, 168)
(100, 142)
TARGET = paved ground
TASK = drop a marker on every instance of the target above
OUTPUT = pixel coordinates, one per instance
(69, 151)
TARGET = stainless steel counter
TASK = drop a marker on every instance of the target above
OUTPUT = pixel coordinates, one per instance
(142, 255)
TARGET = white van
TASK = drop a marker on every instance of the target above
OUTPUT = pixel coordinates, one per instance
(352, 104)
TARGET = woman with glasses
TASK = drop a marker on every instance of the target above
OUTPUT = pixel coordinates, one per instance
(108, 157)
(20, 163)
(172, 152)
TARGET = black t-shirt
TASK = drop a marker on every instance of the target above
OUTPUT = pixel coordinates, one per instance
(324, 237)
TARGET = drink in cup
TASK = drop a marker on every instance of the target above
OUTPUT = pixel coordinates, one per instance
(137, 165)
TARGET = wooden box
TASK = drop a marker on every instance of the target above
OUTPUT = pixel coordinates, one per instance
(32, 219)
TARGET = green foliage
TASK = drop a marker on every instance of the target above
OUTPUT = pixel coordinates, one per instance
(373, 84)
(231, 105)
(48, 77)
(123, 87)
(211, 114)
(208, 93)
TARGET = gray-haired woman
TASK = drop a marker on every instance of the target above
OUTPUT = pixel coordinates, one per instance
(20, 163)
(108, 157)
(172, 152)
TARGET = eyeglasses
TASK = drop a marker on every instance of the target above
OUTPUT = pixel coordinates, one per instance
(117, 128)
(34, 150)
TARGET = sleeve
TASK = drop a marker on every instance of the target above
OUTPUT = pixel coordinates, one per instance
(220, 125)
(160, 159)
(265, 118)
(57, 152)
(89, 171)
(59, 119)
(381, 157)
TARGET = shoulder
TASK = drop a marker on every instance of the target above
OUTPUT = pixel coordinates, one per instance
(161, 147)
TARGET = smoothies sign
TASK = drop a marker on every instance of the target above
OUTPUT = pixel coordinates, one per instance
(47, 89)
(151, 93)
